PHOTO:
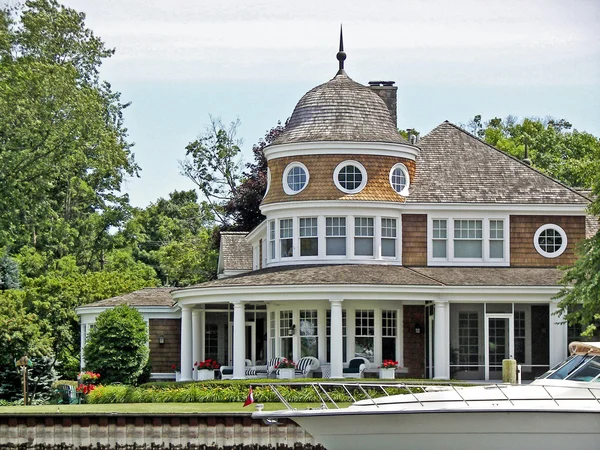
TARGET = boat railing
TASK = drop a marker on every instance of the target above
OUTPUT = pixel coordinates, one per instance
(355, 391)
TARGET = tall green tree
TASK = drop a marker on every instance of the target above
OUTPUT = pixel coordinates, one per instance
(175, 237)
(117, 347)
(579, 301)
(213, 164)
(63, 146)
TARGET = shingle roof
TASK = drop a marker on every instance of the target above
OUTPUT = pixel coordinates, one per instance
(492, 276)
(456, 167)
(361, 274)
(235, 251)
(144, 297)
(340, 110)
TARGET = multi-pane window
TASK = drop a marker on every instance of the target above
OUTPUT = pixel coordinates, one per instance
(440, 237)
(309, 341)
(296, 179)
(363, 236)
(389, 325)
(286, 334)
(271, 240)
(328, 333)
(211, 341)
(496, 239)
(468, 340)
(468, 239)
(399, 179)
(309, 242)
(335, 236)
(286, 237)
(388, 237)
(350, 177)
(364, 332)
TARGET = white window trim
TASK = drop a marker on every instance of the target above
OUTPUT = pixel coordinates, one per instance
(376, 238)
(268, 181)
(294, 239)
(450, 259)
(286, 188)
(402, 167)
(362, 169)
(563, 235)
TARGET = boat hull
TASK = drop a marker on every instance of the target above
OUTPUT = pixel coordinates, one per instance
(491, 430)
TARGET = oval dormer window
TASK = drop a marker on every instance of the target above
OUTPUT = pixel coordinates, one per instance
(350, 177)
(399, 179)
(268, 181)
(295, 178)
(550, 240)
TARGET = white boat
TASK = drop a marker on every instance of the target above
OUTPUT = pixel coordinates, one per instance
(559, 410)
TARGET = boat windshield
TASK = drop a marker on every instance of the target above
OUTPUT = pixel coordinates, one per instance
(561, 371)
(590, 371)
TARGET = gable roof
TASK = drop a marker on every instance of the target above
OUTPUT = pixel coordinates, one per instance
(235, 252)
(457, 167)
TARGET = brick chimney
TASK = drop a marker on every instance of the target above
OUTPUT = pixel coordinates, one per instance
(389, 94)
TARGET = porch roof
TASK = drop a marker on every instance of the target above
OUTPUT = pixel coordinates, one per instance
(361, 274)
(159, 296)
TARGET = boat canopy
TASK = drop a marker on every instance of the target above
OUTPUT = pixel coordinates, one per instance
(584, 348)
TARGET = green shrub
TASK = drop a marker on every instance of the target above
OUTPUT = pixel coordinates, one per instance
(117, 346)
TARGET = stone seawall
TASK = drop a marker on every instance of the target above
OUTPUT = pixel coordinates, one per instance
(151, 431)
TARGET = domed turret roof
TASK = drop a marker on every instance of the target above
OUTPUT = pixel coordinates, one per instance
(340, 110)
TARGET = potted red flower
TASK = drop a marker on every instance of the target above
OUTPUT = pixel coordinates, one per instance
(388, 368)
(286, 368)
(205, 370)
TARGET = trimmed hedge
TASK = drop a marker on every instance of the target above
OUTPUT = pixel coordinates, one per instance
(219, 392)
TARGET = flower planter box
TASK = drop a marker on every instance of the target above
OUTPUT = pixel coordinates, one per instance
(202, 375)
(286, 373)
(387, 373)
(177, 376)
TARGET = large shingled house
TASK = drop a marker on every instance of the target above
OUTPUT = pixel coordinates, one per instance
(440, 253)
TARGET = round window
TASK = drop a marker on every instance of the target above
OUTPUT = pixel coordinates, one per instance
(550, 240)
(350, 177)
(399, 179)
(295, 178)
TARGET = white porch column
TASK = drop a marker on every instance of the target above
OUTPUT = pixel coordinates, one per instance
(558, 336)
(81, 345)
(186, 343)
(197, 336)
(337, 342)
(441, 370)
(239, 340)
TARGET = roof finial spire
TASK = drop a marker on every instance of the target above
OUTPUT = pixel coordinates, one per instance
(341, 55)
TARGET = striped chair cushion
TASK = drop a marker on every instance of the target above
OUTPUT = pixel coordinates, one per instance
(303, 366)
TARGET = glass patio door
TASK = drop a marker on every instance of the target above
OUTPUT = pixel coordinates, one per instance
(499, 337)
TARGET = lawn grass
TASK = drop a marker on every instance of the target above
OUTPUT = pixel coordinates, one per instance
(151, 408)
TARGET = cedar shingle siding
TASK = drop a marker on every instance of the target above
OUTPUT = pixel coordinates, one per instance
(414, 239)
(522, 231)
(163, 356)
(322, 187)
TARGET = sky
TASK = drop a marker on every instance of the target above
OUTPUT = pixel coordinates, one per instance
(180, 61)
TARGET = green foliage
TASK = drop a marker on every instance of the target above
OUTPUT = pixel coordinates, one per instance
(9, 273)
(20, 335)
(173, 235)
(117, 346)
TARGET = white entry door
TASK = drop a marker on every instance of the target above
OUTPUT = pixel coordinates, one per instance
(499, 339)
